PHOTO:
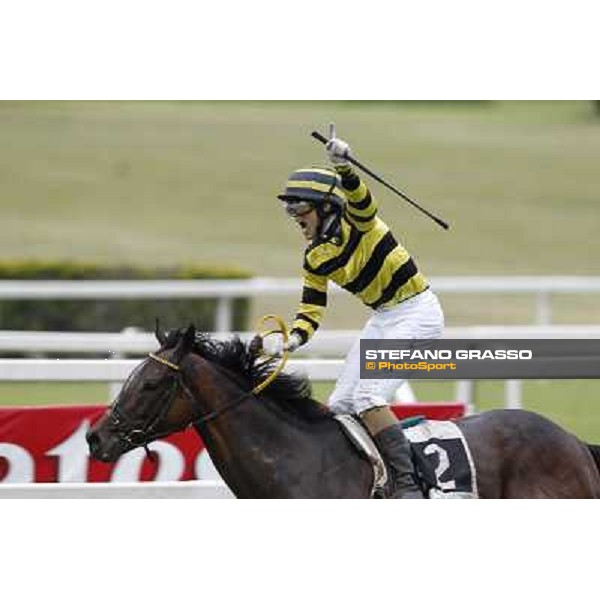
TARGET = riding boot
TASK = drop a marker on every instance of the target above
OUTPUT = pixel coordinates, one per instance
(395, 448)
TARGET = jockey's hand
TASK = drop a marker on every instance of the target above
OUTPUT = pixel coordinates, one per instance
(274, 346)
(338, 150)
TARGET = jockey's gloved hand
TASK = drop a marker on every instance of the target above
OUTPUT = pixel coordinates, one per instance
(274, 346)
(338, 150)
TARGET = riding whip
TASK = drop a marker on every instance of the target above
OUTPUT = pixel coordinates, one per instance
(321, 138)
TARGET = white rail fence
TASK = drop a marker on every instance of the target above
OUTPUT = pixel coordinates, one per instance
(116, 371)
(111, 370)
(317, 368)
(324, 344)
(151, 490)
(225, 291)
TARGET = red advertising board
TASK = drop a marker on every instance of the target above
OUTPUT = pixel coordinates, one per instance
(47, 444)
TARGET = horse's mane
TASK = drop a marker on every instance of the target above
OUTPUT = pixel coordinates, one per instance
(292, 392)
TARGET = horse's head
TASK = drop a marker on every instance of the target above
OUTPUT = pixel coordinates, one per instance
(153, 402)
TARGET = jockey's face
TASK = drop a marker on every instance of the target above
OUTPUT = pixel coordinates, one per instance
(306, 216)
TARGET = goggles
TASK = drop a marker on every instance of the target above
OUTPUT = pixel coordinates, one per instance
(299, 208)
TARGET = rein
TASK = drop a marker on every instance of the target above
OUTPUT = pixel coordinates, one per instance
(282, 328)
(211, 416)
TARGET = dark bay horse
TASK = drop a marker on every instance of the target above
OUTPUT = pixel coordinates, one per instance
(280, 443)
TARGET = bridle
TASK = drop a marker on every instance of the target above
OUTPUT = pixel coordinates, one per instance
(135, 436)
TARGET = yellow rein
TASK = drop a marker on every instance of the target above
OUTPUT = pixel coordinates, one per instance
(282, 328)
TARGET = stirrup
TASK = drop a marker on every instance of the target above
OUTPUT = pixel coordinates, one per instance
(363, 442)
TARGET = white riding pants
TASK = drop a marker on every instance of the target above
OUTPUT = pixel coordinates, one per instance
(420, 317)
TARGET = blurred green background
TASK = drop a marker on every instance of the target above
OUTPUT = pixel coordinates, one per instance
(164, 183)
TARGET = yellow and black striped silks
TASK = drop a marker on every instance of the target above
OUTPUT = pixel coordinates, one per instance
(367, 261)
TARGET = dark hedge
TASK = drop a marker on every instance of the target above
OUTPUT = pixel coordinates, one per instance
(113, 315)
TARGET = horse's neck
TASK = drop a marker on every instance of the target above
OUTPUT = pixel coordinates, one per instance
(256, 452)
(260, 454)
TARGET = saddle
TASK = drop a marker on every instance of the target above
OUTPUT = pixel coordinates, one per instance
(440, 454)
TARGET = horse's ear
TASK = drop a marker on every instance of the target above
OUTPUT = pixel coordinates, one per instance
(160, 335)
(188, 339)
(185, 343)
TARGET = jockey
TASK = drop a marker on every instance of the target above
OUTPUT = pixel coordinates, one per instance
(349, 244)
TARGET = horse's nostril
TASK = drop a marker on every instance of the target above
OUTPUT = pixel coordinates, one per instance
(93, 441)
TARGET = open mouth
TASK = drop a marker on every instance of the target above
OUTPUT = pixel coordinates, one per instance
(301, 223)
(305, 229)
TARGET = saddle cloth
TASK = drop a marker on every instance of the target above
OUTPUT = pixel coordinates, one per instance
(441, 456)
(443, 460)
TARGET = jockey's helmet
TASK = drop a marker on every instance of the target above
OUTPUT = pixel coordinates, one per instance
(313, 187)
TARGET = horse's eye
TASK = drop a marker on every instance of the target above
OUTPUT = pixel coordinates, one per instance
(151, 385)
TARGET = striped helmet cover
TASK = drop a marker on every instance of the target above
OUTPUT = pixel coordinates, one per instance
(314, 184)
